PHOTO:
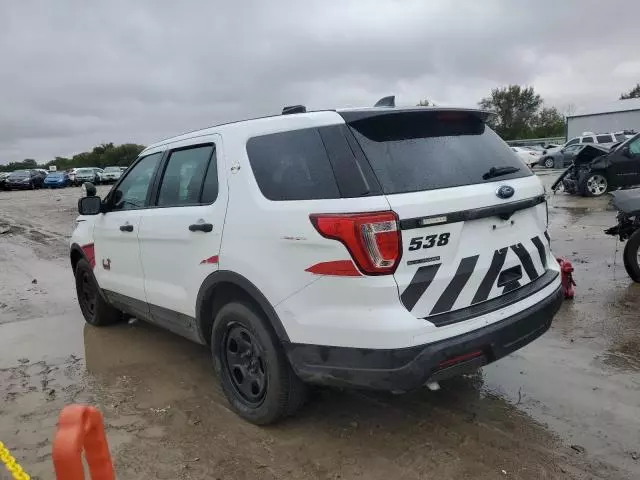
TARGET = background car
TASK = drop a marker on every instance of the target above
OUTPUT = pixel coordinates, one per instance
(99, 173)
(56, 180)
(561, 158)
(25, 179)
(72, 175)
(89, 174)
(527, 155)
(602, 139)
(3, 180)
(111, 174)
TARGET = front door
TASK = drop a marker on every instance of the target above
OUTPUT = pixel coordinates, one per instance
(117, 253)
(625, 168)
(180, 235)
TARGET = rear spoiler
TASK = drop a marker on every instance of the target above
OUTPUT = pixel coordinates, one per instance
(355, 115)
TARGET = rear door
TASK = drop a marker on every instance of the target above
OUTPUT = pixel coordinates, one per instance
(180, 236)
(468, 236)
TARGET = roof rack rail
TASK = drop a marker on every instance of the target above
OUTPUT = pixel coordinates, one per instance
(389, 101)
(294, 109)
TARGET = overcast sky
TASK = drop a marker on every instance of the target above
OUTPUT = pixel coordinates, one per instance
(77, 73)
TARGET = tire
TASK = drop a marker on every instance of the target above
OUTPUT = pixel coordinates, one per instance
(594, 184)
(253, 370)
(630, 256)
(95, 309)
(548, 162)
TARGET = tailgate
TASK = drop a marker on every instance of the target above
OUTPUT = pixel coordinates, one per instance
(454, 257)
(472, 215)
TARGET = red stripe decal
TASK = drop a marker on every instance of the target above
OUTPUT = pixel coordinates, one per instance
(90, 252)
(213, 259)
(340, 268)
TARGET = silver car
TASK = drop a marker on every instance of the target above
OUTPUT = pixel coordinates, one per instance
(111, 174)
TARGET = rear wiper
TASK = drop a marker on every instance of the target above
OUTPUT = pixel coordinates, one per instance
(499, 171)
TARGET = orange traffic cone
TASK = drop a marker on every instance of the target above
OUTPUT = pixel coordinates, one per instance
(80, 428)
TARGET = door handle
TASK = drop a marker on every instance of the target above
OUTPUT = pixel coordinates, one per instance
(201, 227)
(126, 228)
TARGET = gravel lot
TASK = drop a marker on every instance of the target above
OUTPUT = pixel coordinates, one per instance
(566, 406)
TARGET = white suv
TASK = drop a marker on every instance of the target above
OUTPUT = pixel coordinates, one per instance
(382, 248)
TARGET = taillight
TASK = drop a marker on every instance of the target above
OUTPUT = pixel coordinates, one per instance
(373, 239)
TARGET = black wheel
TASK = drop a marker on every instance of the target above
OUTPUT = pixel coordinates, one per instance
(254, 372)
(630, 256)
(548, 162)
(594, 184)
(94, 307)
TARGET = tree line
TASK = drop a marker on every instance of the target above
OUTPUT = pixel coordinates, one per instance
(104, 155)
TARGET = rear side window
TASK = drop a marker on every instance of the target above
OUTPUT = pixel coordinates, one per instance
(604, 138)
(184, 176)
(415, 151)
(587, 140)
(292, 165)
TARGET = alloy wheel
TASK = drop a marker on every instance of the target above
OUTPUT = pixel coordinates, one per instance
(596, 184)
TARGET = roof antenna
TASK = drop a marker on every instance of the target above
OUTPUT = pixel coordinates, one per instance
(389, 101)
(294, 109)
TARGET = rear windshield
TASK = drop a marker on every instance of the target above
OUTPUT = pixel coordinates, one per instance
(415, 151)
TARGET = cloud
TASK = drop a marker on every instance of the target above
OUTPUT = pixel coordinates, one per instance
(78, 73)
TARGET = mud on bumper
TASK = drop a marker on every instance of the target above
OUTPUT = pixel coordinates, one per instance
(410, 368)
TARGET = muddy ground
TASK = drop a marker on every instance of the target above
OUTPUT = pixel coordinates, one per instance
(566, 406)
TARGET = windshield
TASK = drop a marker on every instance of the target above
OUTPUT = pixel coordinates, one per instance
(20, 173)
(415, 151)
(112, 169)
(55, 175)
(85, 171)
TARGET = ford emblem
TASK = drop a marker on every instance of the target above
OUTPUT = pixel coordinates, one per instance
(505, 191)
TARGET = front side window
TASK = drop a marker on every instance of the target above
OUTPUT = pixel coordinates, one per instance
(131, 193)
(587, 140)
(573, 141)
(634, 147)
(184, 176)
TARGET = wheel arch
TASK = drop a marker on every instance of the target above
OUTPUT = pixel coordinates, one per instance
(223, 285)
(75, 254)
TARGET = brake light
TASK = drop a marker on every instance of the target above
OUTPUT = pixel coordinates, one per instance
(373, 239)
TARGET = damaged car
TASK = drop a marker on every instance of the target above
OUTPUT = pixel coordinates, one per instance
(596, 170)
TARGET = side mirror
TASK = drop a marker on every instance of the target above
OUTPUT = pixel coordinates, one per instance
(625, 151)
(89, 205)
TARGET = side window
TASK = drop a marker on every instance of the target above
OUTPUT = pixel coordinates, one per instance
(131, 193)
(184, 176)
(604, 138)
(587, 140)
(292, 166)
(573, 141)
(634, 147)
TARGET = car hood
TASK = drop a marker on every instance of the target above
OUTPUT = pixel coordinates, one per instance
(589, 154)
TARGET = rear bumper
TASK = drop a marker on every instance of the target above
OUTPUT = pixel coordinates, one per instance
(409, 368)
